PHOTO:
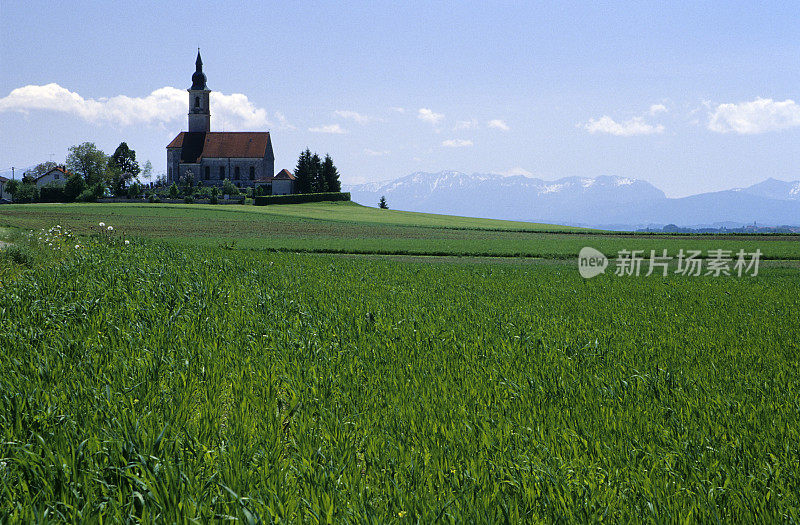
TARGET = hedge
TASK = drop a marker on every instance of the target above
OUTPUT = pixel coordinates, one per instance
(298, 198)
(52, 194)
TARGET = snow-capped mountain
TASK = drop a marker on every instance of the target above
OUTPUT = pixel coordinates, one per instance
(600, 202)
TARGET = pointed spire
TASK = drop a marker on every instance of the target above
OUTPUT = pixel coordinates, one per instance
(199, 78)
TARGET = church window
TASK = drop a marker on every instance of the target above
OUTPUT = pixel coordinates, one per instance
(207, 173)
(236, 173)
(221, 172)
(252, 173)
(197, 102)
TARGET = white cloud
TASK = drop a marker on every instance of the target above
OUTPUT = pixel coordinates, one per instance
(429, 116)
(234, 112)
(283, 123)
(498, 124)
(465, 124)
(759, 116)
(655, 109)
(166, 104)
(376, 153)
(634, 126)
(334, 129)
(397, 109)
(352, 115)
(457, 143)
(515, 171)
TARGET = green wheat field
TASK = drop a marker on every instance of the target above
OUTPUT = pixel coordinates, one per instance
(404, 368)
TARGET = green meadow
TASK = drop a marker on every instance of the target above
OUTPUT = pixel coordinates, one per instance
(349, 228)
(435, 369)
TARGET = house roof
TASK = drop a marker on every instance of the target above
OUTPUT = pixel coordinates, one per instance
(3, 179)
(222, 144)
(284, 174)
(51, 170)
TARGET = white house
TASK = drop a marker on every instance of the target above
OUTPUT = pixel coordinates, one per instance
(281, 184)
(4, 196)
(57, 175)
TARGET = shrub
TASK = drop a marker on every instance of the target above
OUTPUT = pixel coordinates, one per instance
(25, 192)
(188, 199)
(86, 195)
(229, 189)
(174, 191)
(135, 190)
(213, 200)
(297, 198)
(154, 198)
(74, 187)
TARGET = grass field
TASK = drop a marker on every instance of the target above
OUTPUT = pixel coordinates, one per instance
(350, 228)
(176, 381)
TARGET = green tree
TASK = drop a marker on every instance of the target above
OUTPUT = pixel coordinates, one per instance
(330, 175)
(174, 191)
(317, 182)
(382, 203)
(123, 168)
(24, 192)
(303, 173)
(88, 162)
(147, 171)
(11, 186)
(74, 187)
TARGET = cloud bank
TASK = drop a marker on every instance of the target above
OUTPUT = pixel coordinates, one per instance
(498, 124)
(629, 128)
(429, 116)
(457, 143)
(164, 105)
(758, 116)
(333, 129)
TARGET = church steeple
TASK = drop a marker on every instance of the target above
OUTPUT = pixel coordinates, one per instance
(199, 78)
(199, 112)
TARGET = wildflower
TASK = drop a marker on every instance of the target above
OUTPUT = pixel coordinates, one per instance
(110, 228)
(77, 246)
(401, 514)
(127, 242)
(102, 224)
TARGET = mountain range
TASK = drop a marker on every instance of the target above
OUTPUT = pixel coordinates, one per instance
(603, 202)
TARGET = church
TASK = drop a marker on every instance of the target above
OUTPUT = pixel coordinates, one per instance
(211, 157)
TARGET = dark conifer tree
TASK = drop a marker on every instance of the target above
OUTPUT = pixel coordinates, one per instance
(318, 184)
(303, 173)
(330, 175)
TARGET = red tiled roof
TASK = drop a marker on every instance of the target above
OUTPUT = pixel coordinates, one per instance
(222, 144)
(285, 174)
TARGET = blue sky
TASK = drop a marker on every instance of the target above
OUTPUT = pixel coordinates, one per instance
(691, 98)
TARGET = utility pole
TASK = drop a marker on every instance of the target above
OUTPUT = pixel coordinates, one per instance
(12, 173)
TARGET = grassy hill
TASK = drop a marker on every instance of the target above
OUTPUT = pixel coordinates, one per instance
(351, 228)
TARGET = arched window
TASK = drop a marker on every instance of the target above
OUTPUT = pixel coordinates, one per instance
(236, 173)
(207, 173)
(197, 102)
(221, 172)
(252, 173)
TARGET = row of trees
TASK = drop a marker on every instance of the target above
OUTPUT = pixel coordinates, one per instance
(93, 174)
(314, 175)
